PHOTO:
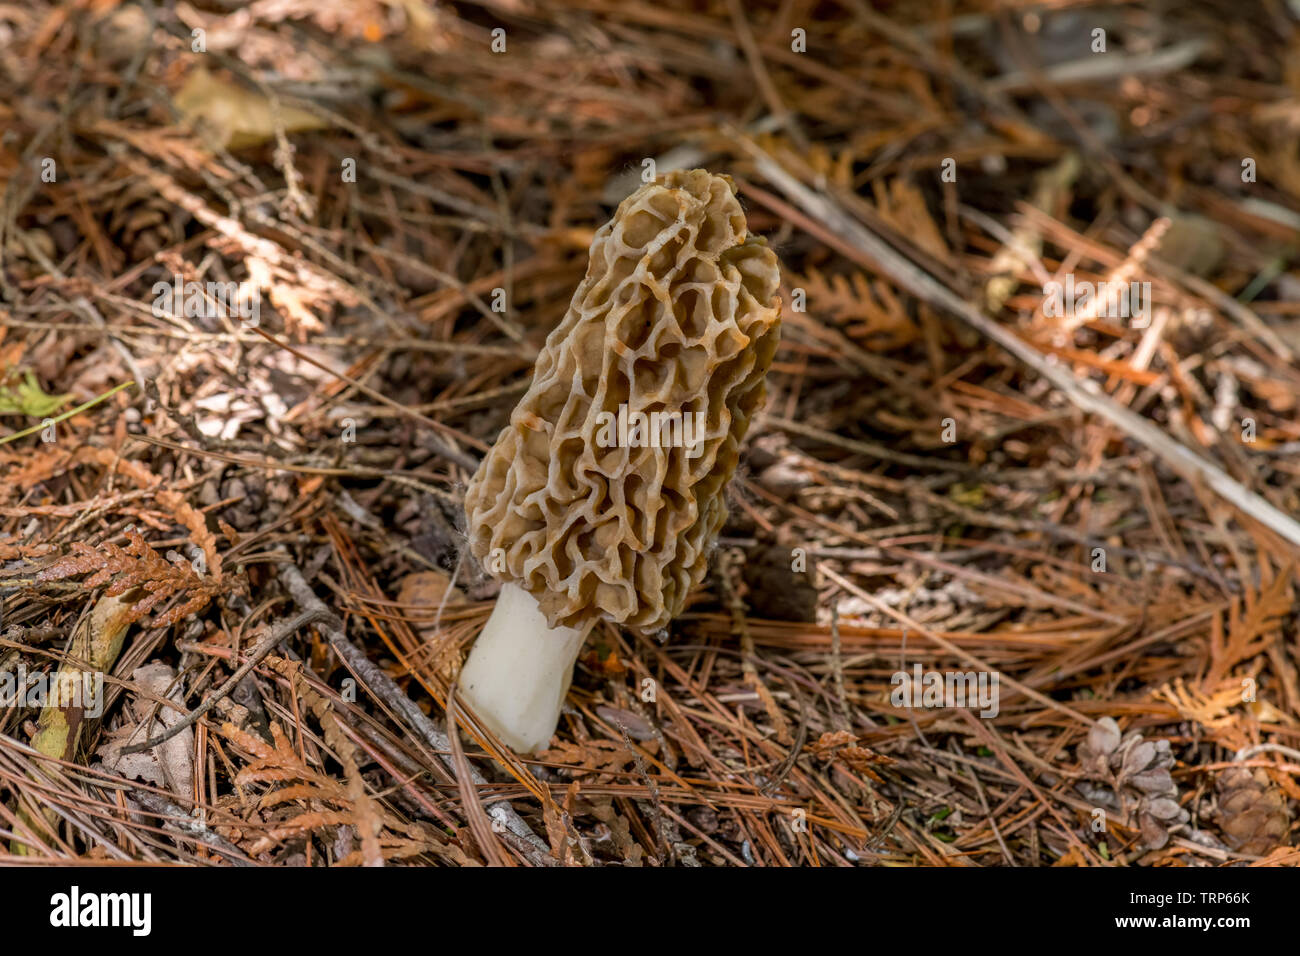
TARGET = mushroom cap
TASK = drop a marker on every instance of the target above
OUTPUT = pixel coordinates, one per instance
(677, 315)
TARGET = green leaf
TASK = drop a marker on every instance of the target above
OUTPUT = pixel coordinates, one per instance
(27, 398)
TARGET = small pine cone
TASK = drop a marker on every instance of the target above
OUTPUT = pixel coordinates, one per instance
(775, 590)
(1127, 761)
(1157, 818)
(1252, 811)
(1135, 768)
(1095, 752)
(142, 223)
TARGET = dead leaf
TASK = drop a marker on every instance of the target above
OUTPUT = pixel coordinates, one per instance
(237, 116)
(171, 763)
(431, 589)
(28, 398)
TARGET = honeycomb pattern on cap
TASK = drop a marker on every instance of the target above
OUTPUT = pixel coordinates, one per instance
(677, 315)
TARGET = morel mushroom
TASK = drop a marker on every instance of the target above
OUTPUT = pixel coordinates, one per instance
(604, 495)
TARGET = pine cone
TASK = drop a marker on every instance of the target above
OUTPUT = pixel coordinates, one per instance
(1135, 769)
(142, 223)
(775, 589)
(1253, 812)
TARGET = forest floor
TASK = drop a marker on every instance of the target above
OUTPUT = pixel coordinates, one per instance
(252, 506)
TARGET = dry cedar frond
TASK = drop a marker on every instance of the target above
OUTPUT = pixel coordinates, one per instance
(366, 816)
(169, 498)
(869, 312)
(593, 756)
(328, 804)
(20, 473)
(843, 745)
(137, 565)
(1248, 628)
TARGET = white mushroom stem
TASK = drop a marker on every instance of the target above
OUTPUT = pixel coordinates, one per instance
(519, 671)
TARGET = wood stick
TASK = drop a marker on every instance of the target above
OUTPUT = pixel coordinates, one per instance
(859, 244)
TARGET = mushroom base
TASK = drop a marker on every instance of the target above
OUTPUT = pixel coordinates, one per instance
(519, 671)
